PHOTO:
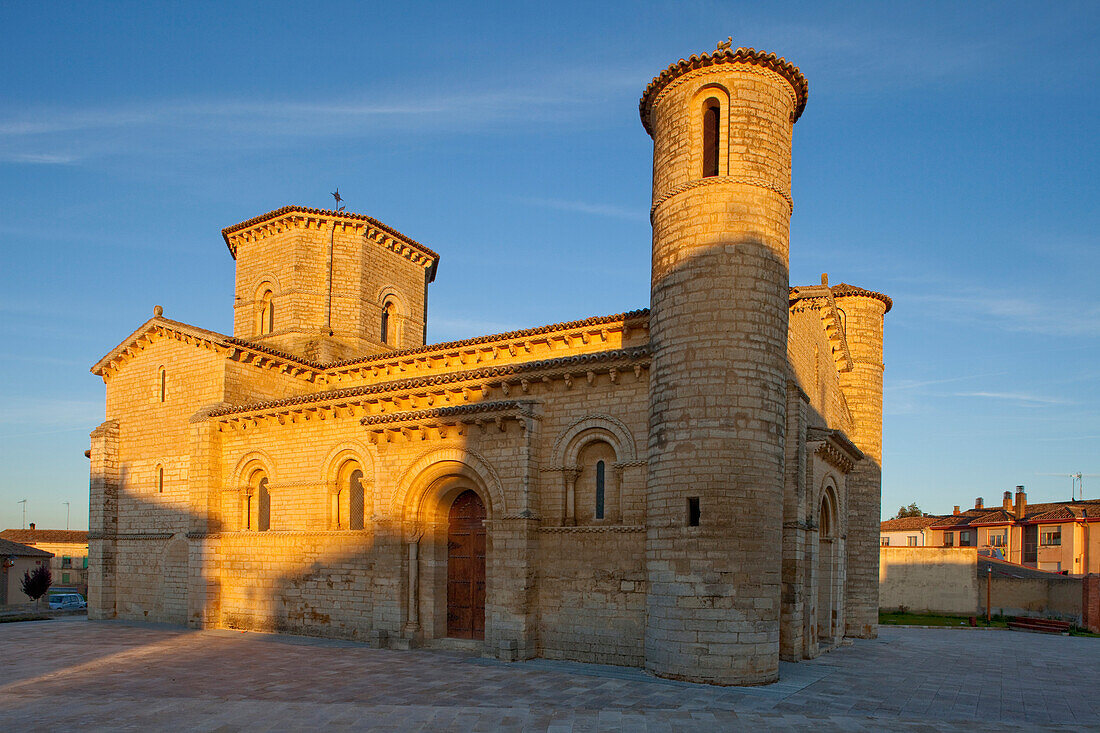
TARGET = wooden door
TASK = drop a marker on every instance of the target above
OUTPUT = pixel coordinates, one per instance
(466, 567)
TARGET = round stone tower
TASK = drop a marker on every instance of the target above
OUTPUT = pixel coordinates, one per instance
(864, 312)
(721, 126)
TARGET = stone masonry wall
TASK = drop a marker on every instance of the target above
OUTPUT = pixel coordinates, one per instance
(591, 597)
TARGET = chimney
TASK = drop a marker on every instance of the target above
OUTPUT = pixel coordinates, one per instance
(32, 525)
(956, 512)
(1007, 503)
(1021, 502)
(978, 503)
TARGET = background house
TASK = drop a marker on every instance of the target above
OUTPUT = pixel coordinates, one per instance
(70, 554)
(1058, 536)
(907, 532)
(15, 560)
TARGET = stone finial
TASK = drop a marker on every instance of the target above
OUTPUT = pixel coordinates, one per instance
(825, 279)
(725, 45)
(158, 311)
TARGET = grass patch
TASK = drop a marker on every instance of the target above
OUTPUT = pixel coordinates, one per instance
(895, 618)
(898, 618)
(24, 617)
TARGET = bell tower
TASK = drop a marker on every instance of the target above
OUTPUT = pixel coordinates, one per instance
(721, 125)
(328, 285)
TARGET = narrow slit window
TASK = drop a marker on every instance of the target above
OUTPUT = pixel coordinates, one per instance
(693, 511)
(263, 513)
(163, 383)
(385, 329)
(599, 489)
(160, 480)
(267, 314)
(355, 500)
(711, 116)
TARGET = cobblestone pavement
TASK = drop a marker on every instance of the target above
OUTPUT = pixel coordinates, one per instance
(74, 673)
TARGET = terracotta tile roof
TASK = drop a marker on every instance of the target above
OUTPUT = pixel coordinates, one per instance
(346, 215)
(1067, 510)
(8, 548)
(443, 412)
(777, 64)
(1041, 512)
(839, 291)
(907, 523)
(506, 370)
(564, 326)
(213, 336)
(972, 517)
(32, 536)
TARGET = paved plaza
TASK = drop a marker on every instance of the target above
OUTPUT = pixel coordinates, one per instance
(76, 674)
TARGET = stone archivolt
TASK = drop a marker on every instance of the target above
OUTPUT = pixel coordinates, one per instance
(618, 483)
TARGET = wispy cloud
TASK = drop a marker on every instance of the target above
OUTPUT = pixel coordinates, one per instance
(1065, 438)
(1022, 397)
(59, 135)
(904, 384)
(1054, 317)
(585, 207)
(38, 158)
(50, 413)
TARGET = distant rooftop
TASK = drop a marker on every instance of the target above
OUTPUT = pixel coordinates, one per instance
(8, 548)
(35, 536)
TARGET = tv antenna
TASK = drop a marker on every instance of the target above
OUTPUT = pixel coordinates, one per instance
(1077, 483)
(24, 503)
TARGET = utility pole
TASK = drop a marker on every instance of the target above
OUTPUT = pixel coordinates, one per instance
(66, 514)
(989, 595)
(24, 503)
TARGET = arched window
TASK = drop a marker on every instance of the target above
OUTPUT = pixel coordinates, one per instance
(160, 479)
(355, 500)
(599, 489)
(265, 315)
(712, 111)
(263, 518)
(347, 511)
(596, 497)
(162, 377)
(386, 326)
(257, 503)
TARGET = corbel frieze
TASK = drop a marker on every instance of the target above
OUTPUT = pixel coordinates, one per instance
(446, 422)
(834, 448)
(413, 394)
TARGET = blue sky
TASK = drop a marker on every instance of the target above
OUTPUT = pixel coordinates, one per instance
(947, 157)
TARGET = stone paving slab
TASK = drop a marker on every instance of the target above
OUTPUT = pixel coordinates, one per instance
(143, 677)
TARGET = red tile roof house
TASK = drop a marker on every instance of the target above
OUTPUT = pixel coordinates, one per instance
(907, 531)
(15, 560)
(69, 549)
(1062, 536)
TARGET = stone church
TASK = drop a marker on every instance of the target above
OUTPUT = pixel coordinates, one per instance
(692, 488)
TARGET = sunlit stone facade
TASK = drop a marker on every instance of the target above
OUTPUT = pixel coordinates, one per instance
(692, 488)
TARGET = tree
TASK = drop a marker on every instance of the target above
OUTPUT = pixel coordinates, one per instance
(909, 511)
(37, 582)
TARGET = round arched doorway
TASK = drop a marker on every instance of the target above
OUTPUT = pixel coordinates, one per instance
(466, 567)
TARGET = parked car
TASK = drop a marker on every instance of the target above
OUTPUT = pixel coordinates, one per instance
(67, 602)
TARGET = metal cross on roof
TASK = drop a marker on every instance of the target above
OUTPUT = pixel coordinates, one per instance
(336, 195)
